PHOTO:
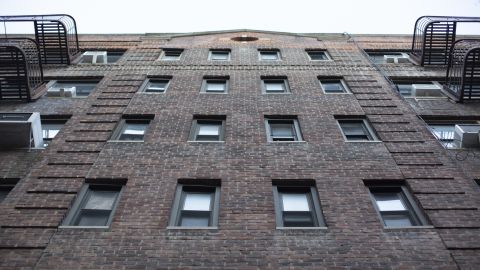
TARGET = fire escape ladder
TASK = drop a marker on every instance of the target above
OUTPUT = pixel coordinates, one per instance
(21, 74)
(56, 36)
(433, 37)
(463, 72)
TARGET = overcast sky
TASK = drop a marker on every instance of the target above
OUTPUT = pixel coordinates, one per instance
(302, 16)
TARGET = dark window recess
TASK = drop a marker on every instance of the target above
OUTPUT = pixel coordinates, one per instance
(50, 129)
(94, 206)
(172, 54)
(207, 130)
(283, 130)
(396, 207)
(131, 130)
(318, 55)
(333, 86)
(297, 206)
(156, 86)
(4, 190)
(356, 130)
(195, 206)
(271, 86)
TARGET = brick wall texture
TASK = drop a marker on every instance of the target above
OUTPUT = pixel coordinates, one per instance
(246, 237)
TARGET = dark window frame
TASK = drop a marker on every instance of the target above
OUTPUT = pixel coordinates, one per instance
(53, 83)
(413, 211)
(213, 51)
(370, 132)
(313, 201)
(144, 87)
(196, 128)
(297, 133)
(81, 200)
(206, 80)
(177, 53)
(269, 51)
(283, 80)
(316, 51)
(341, 81)
(179, 198)
(118, 132)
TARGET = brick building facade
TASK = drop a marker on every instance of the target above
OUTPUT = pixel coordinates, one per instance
(248, 165)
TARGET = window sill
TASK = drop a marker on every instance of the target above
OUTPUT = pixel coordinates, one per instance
(215, 93)
(191, 228)
(344, 93)
(84, 227)
(302, 228)
(375, 141)
(124, 141)
(287, 141)
(151, 93)
(326, 60)
(408, 227)
(206, 141)
(277, 93)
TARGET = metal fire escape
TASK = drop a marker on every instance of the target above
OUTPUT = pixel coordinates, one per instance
(21, 59)
(433, 37)
(463, 73)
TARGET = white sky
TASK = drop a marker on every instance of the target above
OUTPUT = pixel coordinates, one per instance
(303, 16)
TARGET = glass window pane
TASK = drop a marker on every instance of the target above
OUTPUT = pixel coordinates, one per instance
(275, 86)
(405, 89)
(389, 202)
(269, 55)
(318, 55)
(92, 218)
(194, 220)
(216, 86)
(334, 87)
(197, 201)
(156, 86)
(282, 129)
(396, 220)
(133, 131)
(100, 199)
(50, 130)
(295, 202)
(208, 130)
(298, 219)
(219, 56)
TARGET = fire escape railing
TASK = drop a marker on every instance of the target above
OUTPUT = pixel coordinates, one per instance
(463, 72)
(55, 34)
(433, 37)
(21, 73)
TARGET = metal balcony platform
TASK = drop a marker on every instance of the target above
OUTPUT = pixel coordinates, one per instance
(21, 74)
(463, 73)
(55, 34)
(433, 37)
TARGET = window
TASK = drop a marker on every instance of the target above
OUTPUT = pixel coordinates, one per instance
(215, 85)
(101, 57)
(318, 55)
(275, 86)
(94, 206)
(71, 88)
(4, 190)
(195, 206)
(297, 206)
(156, 85)
(333, 86)
(50, 129)
(383, 57)
(219, 55)
(283, 130)
(269, 55)
(208, 129)
(395, 206)
(444, 132)
(419, 89)
(171, 54)
(356, 130)
(131, 129)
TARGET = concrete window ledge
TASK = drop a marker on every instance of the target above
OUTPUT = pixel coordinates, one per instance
(408, 228)
(191, 228)
(85, 227)
(302, 228)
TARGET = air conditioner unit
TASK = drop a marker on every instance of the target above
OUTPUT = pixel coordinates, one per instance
(92, 57)
(397, 58)
(426, 90)
(467, 135)
(62, 92)
(20, 130)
